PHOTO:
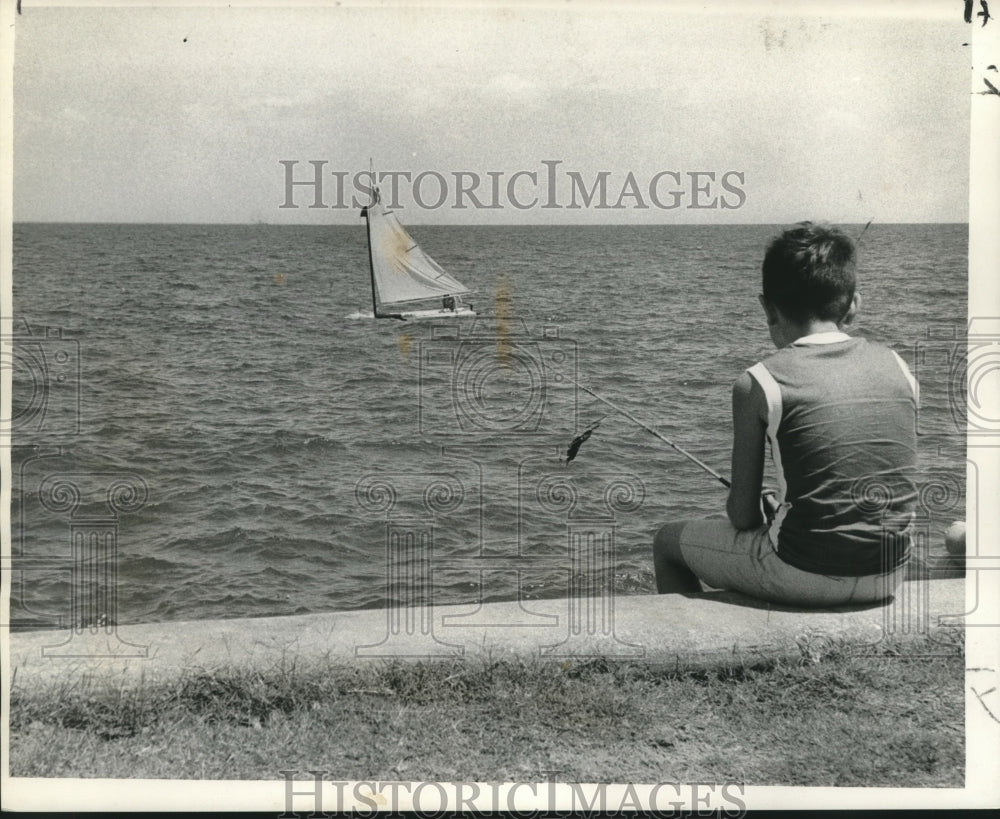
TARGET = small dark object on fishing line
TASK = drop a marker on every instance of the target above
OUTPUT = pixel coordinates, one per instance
(575, 445)
(577, 442)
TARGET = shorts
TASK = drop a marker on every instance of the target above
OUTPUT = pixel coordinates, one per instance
(746, 561)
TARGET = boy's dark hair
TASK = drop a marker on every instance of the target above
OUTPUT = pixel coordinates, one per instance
(808, 272)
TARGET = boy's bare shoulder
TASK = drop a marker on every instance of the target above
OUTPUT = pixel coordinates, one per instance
(743, 386)
(748, 397)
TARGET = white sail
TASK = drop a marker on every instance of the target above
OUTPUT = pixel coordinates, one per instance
(401, 271)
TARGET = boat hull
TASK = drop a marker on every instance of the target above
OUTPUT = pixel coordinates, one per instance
(439, 313)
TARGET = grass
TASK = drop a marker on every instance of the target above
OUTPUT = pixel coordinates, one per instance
(833, 716)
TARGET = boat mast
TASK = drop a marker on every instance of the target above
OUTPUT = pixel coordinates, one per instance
(371, 264)
(368, 231)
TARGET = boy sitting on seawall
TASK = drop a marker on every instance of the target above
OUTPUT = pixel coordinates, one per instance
(839, 414)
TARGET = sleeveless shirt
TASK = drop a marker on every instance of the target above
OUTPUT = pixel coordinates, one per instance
(842, 434)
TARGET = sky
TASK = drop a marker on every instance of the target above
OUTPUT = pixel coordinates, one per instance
(172, 114)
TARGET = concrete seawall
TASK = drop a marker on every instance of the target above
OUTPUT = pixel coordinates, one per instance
(702, 629)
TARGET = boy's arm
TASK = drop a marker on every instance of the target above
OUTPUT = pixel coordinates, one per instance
(749, 434)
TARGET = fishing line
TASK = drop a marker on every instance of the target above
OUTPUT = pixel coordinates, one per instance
(577, 442)
(575, 445)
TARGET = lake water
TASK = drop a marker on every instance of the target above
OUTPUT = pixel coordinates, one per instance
(258, 439)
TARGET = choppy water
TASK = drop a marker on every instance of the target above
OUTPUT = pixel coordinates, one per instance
(224, 372)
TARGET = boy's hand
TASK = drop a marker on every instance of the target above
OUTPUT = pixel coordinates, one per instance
(769, 504)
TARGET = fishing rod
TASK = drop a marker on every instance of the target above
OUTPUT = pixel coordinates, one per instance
(577, 442)
(575, 445)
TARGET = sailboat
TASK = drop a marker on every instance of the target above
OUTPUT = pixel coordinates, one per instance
(403, 275)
